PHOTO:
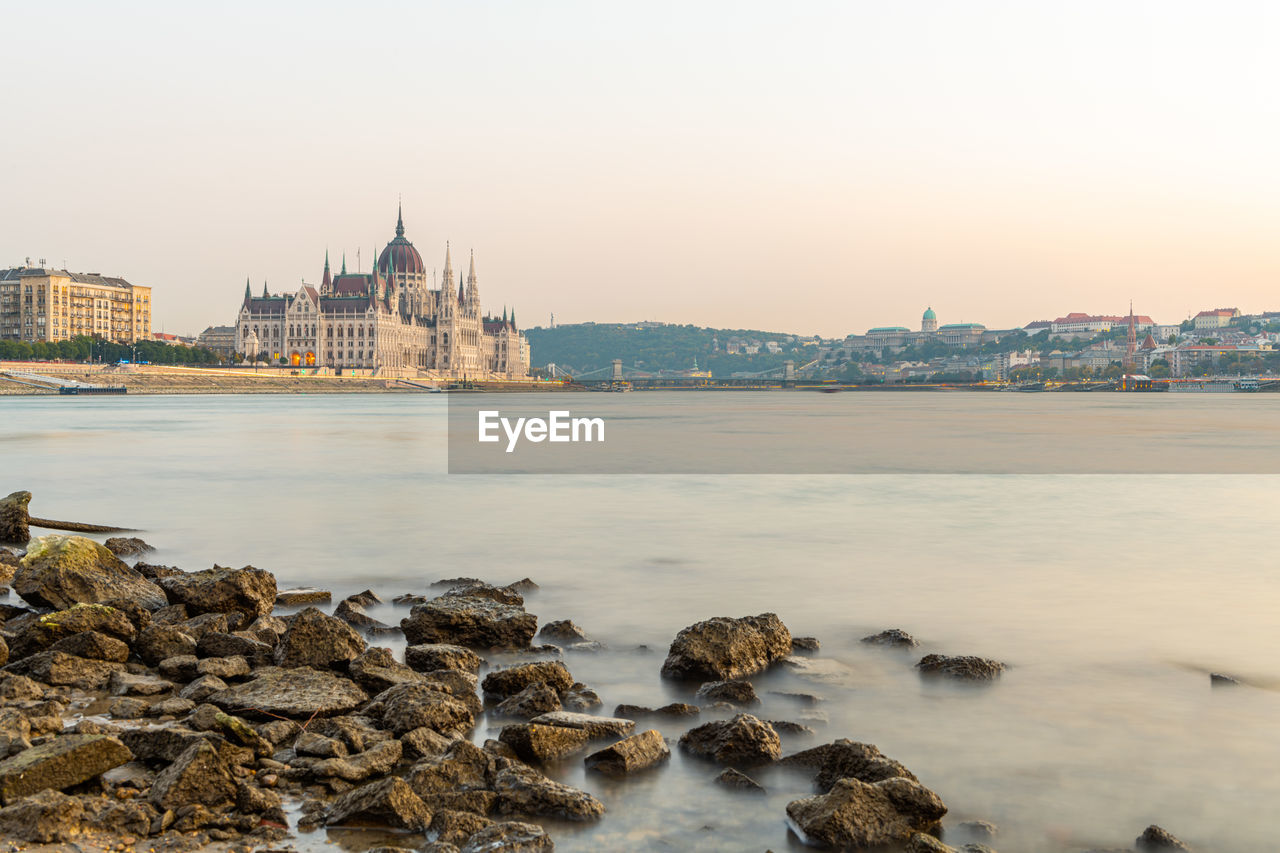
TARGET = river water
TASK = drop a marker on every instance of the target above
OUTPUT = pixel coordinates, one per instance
(1111, 596)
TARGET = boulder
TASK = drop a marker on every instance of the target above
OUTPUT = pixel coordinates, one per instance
(848, 759)
(469, 620)
(580, 697)
(388, 802)
(893, 637)
(524, 791)
(15, 732)
(854, 814)
(130, 684)
(198, 776)
(740, 693)
(229, 668)
(202, 688)
(14, 526)
(562, 632)
(377, 760)
(49, 816)
(174, 706)
(377, 669)
(595, 727)
(509, 837)
(743, 741)
(357, 731)
(462, 767)
(59, 763)
(158, 642)
(423, 742)
(432, 656)
(61, 571)
(126, 546)
(805, 645)
(405, 707)
(161, 743)
(539, 743)
(321, 746)
(352, 612)
(319, 641)
(300, 692)
(180, 667)
(736, 780)
(455, 827)
(638, 752)
(537, 698)
(44, 631)
(248, 590)
(302, 595)
(1157, 838)
(966, 667)
(722, 648)
(93, 646)
(61, 669)
(219, 644)
(510, 681)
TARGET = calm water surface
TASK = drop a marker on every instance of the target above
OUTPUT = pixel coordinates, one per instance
(1111, 597)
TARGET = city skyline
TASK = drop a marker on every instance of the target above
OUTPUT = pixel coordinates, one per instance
(823, 170)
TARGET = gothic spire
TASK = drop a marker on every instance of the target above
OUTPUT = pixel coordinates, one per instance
(247, 293)
(344, 264)
(265, 294)
(327, 281)
(400, 219)
(471, 274)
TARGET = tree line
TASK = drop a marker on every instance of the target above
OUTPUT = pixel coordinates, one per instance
(84, 349)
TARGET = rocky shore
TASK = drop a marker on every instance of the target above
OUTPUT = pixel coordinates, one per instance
(147, 707)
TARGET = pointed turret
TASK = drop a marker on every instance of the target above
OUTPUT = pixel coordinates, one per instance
(513, 318)
(400, 219)
(344, 263)
(265, 294)
(473, 290)
(447, 280)
(504, 315)
(247, 293)
(326, 283)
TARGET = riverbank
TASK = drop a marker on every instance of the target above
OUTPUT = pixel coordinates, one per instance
(142, 704)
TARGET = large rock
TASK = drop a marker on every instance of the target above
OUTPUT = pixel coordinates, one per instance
(377, 760)
(48, 629)
(431, 656)
(406, 707)
(46, 817)
(377, 670)
(198, 776)
(846, 759)
(159, 642)
(638, 752)
(463, 767)
(524, 791)
(509, 837)
(510, 681)
(59, 763)
(126, 546)
(966, 667)
(61, 669)
(740, 693)
(537, 743)
(317, 640)
(472, 621)
(13, 518)
(893, 638)
(300, 692)
(1158, 838)
(220, 590)
(595, 727)
(742, 741)
(722, 648)
(530, 702)
(93, 646)
(388, 802)
(854, 814)
(61, 571)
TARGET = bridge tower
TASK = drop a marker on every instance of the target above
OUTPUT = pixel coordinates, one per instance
(1131, 349)
(617, 370)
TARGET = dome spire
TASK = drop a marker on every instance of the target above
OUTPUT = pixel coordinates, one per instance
(400, 219)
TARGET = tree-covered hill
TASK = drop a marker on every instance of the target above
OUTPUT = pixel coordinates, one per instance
(650, 346)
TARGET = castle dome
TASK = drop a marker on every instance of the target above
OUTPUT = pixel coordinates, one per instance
(400, 250)
(929, 315)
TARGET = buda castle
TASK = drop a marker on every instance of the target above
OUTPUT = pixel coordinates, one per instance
(390, 321)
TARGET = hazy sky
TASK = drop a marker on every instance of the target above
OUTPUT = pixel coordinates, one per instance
(809, 167)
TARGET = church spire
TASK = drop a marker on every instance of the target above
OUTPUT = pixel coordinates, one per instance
(327, 281)
(265, 294)
(344, 264)
(400, 219)
(247, 293)
(471, 274)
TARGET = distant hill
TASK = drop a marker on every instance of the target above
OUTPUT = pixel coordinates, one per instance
(583, 347)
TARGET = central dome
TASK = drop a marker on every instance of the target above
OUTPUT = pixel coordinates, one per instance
(929, 315)
(400, 250)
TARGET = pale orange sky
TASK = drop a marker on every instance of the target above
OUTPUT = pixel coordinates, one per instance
(816, 167)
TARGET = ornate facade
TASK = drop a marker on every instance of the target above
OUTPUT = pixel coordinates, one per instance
(390, 321)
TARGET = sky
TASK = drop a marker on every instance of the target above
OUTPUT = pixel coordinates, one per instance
(817, 168)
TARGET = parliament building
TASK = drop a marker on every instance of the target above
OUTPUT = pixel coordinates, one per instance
(390, 321)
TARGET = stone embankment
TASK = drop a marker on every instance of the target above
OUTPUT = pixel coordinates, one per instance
(150, 707)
